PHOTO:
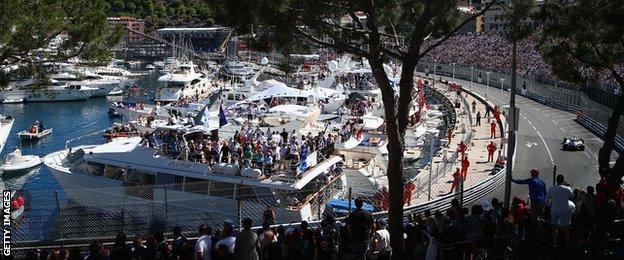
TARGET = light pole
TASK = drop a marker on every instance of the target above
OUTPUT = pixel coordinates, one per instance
(453, 71)
(487, 89)
(431, 135)
(471, 76)
(435, 67)
(502, 80)
(515, 16)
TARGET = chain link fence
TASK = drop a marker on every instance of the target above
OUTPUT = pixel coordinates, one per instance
(555, 94)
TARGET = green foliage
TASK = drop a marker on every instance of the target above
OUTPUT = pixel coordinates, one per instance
(518, 13)
(28, 26)
(164, 13)
(588, 34)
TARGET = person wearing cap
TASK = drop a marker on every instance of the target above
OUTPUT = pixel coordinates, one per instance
(537, 193)
(380, 243)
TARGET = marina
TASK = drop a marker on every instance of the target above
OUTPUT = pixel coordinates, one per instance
(170, 132)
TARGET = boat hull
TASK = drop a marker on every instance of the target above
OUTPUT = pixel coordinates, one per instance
(29, 162)
(112, 195)
(5, 129)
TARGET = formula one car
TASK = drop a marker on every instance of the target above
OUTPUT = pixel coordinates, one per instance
(573, 144)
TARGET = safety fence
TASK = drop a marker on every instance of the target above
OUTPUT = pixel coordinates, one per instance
(553, 94)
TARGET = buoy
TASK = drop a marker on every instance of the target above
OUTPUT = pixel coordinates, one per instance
(14, 204)
(20, 200)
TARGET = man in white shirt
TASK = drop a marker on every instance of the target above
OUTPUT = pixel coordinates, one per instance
(204, 243)
(380, 244)
(228, 239)
(559, 197)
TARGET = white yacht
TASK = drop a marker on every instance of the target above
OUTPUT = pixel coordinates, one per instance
(6, 124)
(104, 84)
(184, 81)
(128, 171)
(237, 69)
(55, 91)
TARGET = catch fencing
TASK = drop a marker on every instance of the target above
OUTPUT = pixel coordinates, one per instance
(554, 94)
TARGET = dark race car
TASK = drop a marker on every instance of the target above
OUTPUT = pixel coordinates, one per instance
(573, 144)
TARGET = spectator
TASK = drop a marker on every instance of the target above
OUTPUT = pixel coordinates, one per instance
(203, 246)
(228, 239)
(139, 251)
(95, 251)
(268, 218)
(246, 247)
(163, 249)
(271, 250)
(560, 210)
(179, 245)
(537, 193)
(360, 224)
(120, 249)
(380, 244)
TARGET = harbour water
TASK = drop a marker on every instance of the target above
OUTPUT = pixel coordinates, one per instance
(79, 121)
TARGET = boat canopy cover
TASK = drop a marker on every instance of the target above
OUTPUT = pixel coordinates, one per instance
(280, 89)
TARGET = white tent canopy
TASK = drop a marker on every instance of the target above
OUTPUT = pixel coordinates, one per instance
(279, 89)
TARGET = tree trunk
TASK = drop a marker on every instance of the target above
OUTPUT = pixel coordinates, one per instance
(604, 154)
(613, 175)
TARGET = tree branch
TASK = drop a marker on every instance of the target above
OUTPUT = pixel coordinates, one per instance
(337, 44)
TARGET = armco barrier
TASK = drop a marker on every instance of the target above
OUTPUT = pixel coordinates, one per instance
(599, 130)
(552, 103)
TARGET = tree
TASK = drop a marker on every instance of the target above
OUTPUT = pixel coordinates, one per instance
(28, 26)
(584, 41)
(376, 38)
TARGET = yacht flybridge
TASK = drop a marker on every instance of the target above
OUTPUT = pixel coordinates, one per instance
(158, 168)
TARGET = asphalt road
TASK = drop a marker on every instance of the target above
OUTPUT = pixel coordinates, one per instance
(541, 131)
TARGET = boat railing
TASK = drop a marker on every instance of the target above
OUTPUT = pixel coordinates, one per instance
(94, 133)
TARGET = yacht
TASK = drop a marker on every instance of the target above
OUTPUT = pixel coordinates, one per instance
(6, 124)
(237, 69)
(126, 170)
(104, 84)
(184, 81)
(55, 91)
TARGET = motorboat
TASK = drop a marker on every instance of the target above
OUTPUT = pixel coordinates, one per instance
(6, 124)
(103, 85)
(237, 69)
(13, 101)
(15, 161)
(115, 92)
(184, 81)
(35, 132)
(33, 91)
(124, 165)
(150, 67)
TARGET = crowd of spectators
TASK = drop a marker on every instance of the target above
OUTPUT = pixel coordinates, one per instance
(492, 51)
(269, 150)
(570, 222)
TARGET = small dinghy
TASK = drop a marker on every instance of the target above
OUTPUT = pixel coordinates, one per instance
(35, 132)
(15, 161)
